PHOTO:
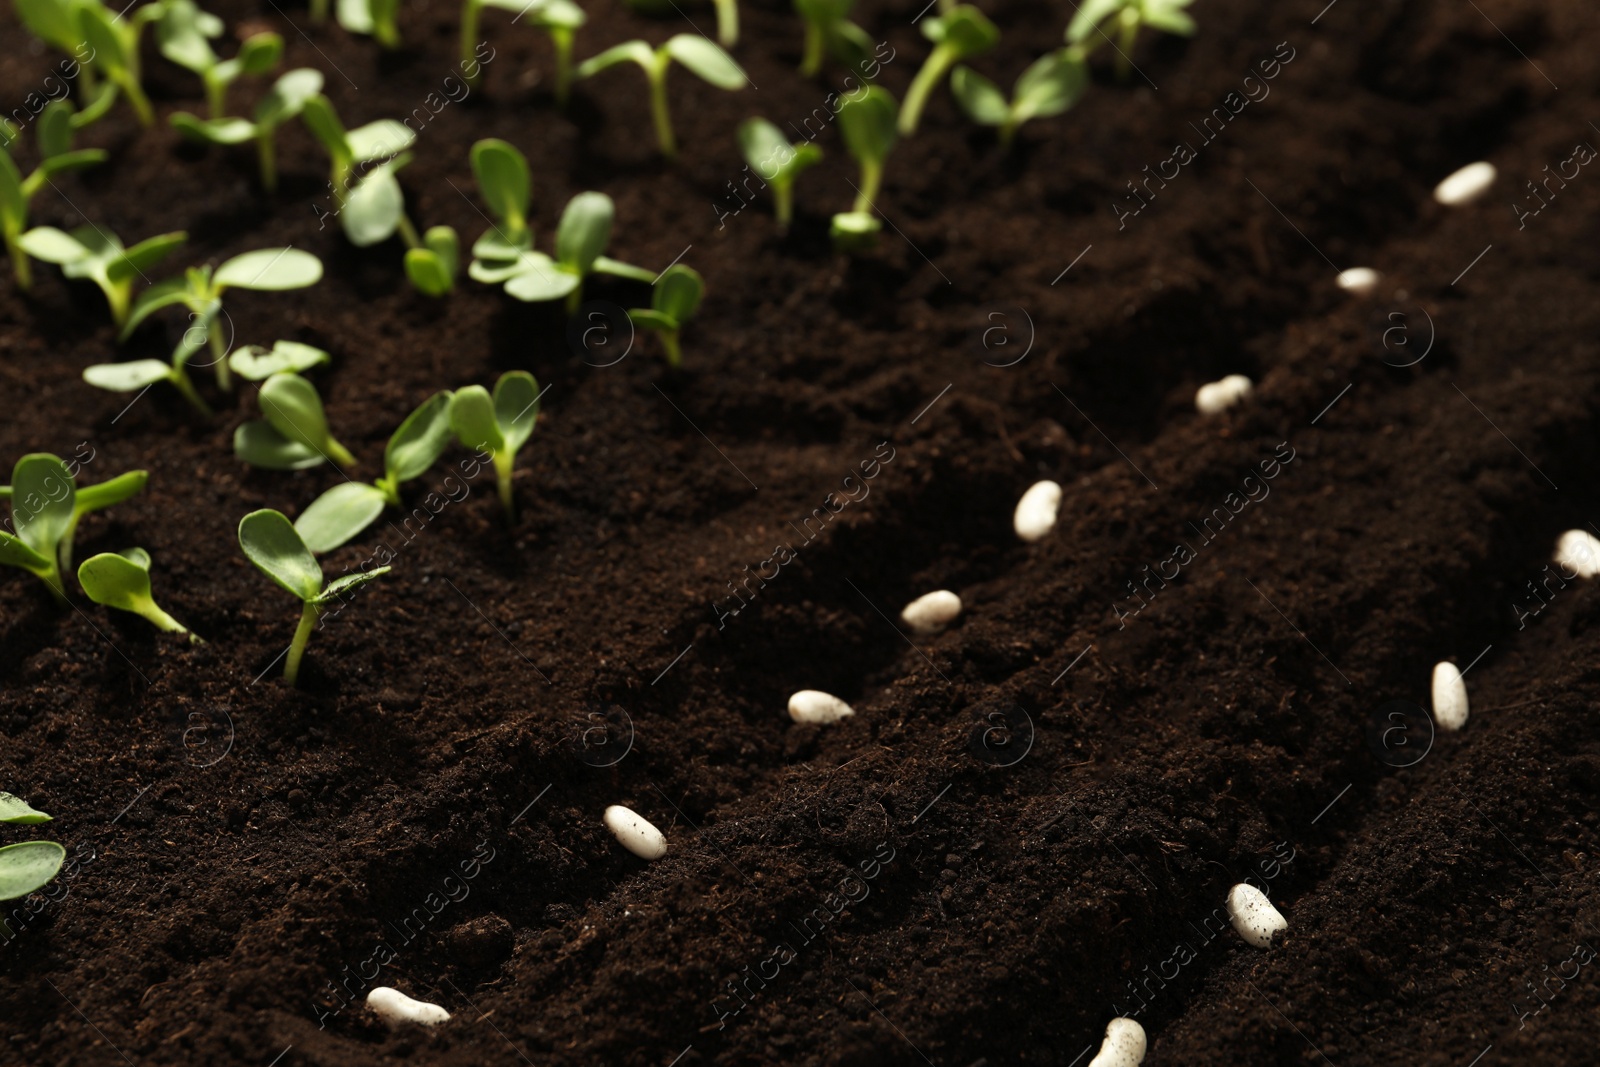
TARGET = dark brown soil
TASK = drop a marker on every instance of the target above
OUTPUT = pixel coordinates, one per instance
(424, 812)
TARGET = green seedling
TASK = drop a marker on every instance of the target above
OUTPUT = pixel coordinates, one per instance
(350, 507)
(283, 102)
(121, 580)
(183, 33)
(1088, 28)
(561, 19)
(867, 124)
(114, 38)
(374, 17)
(582, 234)
(776, 162)
(499, 425)
(140, 374)
(26, 867)
(700, 56)
(829, 30)
(270, 542)
(507, 188)
(94, 253)
(1050, 85)
(376, 141)
(46, 507)
(375, 210)
(17, 192)
(272, 270)
(254, 363)
(673, 302)
(959, 34)
(294, 434)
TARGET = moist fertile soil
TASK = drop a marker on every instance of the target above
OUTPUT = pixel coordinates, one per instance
(1032, 822)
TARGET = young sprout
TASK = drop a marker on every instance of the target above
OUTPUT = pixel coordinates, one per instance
(270, 542)
(256, 364)
(350, 507)
(140, 374)
(182, 34)
(432, 265)
(960, 34)
(867, 124)
(1126, 16)
(673, 302)
(121, 580)
(507, 187)
(828, 30)
(1050, 85)
(282, 103)
(294, 435)
(375, 210)
(17, 192)
(378, 140)
(375, 17)
(95, 253)
(703, 59)
(272, 270)
(500, 425)
(776, 162)
(561, 19)
(46, 507)
(113, 39)
(582, 234)
(28, 866)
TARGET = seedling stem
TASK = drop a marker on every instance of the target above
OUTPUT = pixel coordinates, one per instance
(302, 633)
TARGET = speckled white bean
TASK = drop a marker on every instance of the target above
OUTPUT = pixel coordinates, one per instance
(1123, 1047)
(1213, 398)
(1449, 697)
(932, 612)
(397, 1009)
(1036, 511)
(1254, 916)
(1465, 185)
(815, 706)
(635, 833)
(1579, 551)
(1358, 280)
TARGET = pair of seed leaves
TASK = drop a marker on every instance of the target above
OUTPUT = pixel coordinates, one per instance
(29, 866)
(285, 100)
(960, 33)
(46, 506)
(183, 33)
(111, 38)
(504, 255)
(1167, 15)
(1051, 84)
(776, 161)
(828, 28)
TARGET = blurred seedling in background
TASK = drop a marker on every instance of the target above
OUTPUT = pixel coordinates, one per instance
(960, 33)
(776, 162)
(561, 19)
(270, 542)
(380, 140)
(121, 580)
(254, 363)
(829, 31)
(1050, 85)
(183, 33)
(294, 433)
(350, 507)
(376, 18)
(200, 289)
(46, 507)
(17, 193)
(283, 101)
(95, 253)
(499, 425)
(867, 124)
(702, 58)
(29, 866)
(673, 301)
(1096, 20)
(110, 40)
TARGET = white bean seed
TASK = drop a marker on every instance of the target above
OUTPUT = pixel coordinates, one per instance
(635, 833)
(1449, 697)
(1465, 185)
(1036, 511)
(1123, 1047)
(1579, 551)
(1216, 397)
(1358, 280)
(814, 706)
(397, 1009)
(1254, 916)
(932, 612)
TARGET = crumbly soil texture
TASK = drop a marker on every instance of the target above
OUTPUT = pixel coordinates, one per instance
(1214, 670)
